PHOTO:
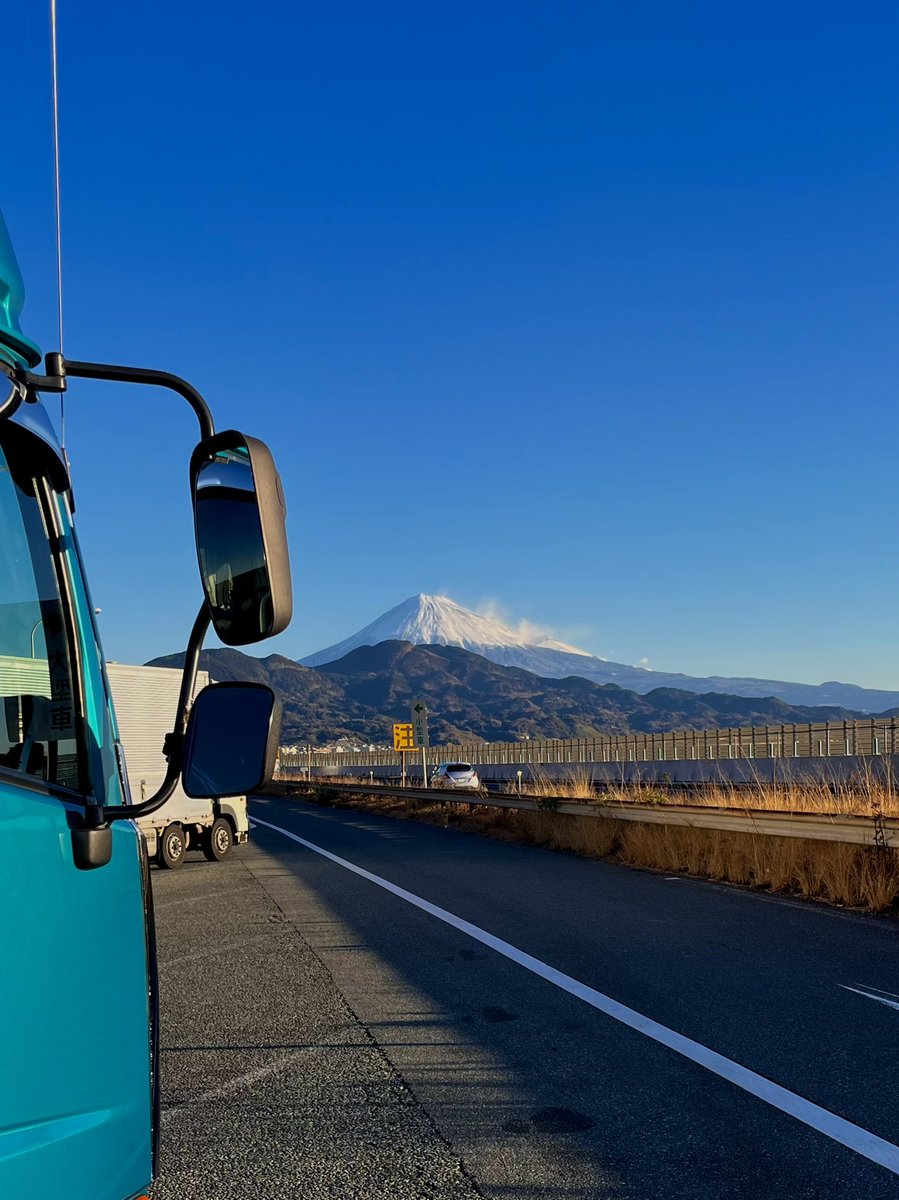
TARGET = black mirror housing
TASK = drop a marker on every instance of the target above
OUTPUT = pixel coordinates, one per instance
(239, 518)
(231, 740)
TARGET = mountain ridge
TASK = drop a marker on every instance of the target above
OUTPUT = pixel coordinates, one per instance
(439, 620)
(472, 698)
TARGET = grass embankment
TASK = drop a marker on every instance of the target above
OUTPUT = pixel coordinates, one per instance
(864, 796)
(853, 876)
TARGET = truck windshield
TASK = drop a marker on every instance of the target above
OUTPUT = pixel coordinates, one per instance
(38, 722)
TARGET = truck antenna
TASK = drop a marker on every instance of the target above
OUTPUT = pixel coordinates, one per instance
(55, 64)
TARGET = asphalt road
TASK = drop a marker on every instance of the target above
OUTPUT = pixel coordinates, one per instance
(326, 1037)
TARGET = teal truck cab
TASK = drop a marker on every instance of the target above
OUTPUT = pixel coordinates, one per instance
(79, 1052)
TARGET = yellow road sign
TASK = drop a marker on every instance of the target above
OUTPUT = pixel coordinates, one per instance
(402, 737)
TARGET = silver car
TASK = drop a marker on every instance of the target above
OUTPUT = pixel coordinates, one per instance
(456, 775)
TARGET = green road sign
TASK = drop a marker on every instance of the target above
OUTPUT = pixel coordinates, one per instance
(420, 723)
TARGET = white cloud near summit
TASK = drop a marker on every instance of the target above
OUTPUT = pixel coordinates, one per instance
(529, 631)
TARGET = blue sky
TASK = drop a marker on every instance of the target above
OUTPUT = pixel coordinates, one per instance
(586, 309)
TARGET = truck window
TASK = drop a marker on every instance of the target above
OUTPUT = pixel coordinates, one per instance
(38, 714)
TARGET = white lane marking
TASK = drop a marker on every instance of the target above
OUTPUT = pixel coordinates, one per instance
(871, 994)
(238, 1084)
(862, 1141)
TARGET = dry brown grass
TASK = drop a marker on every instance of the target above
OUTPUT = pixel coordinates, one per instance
(864, 795)
(575, 784)
(854, 876)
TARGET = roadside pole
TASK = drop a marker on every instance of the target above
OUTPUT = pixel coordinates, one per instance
(420, 736)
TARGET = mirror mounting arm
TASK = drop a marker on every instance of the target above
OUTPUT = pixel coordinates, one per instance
(174, 742)
(60, 368)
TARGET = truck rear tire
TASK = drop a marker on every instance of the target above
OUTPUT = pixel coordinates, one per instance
(172, 845)
(217, 842)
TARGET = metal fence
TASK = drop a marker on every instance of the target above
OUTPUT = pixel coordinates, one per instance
(813, 740)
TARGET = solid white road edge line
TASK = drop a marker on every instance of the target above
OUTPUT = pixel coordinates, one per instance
(869, 1145)
(859, 991)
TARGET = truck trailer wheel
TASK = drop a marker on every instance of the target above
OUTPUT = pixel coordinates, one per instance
(172, 845)
(217, 842)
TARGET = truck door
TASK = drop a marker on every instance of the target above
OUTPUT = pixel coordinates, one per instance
(75, 1104)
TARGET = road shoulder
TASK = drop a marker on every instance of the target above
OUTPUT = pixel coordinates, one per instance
(271, 1085)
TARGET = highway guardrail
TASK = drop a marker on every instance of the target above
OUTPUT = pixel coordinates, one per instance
(853, 830)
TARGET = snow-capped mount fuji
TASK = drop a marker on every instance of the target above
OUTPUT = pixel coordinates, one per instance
(439, 621)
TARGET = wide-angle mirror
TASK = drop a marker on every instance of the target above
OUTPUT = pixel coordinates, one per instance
(231, 740)
(239, 514)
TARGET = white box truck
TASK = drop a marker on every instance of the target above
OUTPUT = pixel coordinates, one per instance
(146, 699)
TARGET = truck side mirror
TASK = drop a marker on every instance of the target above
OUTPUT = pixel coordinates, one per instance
(239, 515)
(231, 740)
